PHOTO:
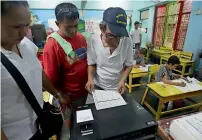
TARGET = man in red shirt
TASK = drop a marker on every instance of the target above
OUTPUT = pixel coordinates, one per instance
(68, 75)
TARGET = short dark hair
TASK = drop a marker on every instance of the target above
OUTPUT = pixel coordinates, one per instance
(173, 60)
(136, 22)
(6, 5)
(143, 51)
(66, 11)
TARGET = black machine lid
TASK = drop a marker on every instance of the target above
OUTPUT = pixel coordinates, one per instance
(121, 120)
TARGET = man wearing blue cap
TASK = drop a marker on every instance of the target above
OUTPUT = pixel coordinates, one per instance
(109, 54)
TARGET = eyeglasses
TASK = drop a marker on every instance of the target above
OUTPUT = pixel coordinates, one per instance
(66, 10)
(107, 35)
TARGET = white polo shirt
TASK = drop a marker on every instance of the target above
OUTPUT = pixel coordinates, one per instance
(17, 116)
(136, 35)
(109, 67)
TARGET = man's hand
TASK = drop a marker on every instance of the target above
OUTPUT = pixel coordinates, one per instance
(121, 87)
(90, 86)
(65, 101)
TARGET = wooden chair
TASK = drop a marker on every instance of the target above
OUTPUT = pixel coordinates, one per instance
(177, 53)
(162, 48)
(152, 72)
(186, 55)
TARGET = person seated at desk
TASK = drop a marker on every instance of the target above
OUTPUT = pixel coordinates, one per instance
(165, 73)
(139, 57)
(109, 54)
(166, 76)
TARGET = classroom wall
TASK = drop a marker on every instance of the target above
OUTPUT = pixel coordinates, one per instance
(50, 4)
(193, 41)
(45, 14)
(134, 6)
(95, 4)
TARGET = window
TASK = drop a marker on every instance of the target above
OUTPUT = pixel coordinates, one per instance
(171, 23)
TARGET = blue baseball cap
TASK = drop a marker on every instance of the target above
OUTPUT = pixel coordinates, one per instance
(116, 19)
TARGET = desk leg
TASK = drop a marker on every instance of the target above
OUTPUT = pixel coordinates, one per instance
(161, 61)
(183, 69)
(160, 107)
(145, 95)
(130, 83)
(192, 69)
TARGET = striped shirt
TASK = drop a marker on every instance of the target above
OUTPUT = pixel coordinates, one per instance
(163, 72)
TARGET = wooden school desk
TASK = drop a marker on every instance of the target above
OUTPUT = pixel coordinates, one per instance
(135, 73)
(166, 93)
(183, 62)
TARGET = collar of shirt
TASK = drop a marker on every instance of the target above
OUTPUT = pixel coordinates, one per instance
(5, 51)
(116, 51)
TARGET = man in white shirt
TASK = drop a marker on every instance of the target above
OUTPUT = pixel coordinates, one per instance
(109, 54)
(136, 35)
(17, 116)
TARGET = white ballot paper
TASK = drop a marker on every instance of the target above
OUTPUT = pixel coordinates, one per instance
(191, 86)
(107, 99)
(146, 68)
(84, 115)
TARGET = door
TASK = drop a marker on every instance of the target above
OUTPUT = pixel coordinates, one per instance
(144, 27)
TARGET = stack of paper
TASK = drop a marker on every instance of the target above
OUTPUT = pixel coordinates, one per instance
(190, 86)
(187, 128)
(107, 99)
(84, 115)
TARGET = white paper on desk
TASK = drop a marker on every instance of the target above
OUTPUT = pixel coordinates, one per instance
(193, 86)
(107, 99)
(84, 115)
(106, 95)
(194, 80)
(146, 68)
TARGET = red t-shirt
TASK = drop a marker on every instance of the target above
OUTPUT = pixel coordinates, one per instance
(66, 77)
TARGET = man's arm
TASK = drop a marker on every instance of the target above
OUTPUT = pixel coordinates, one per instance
(140, 39)
(51, 61)
(125, 73)
(91, 58)
(170, 82)
(129, 60)
(91, 71)
(47, 85)
(128, 66)
(131, 34)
